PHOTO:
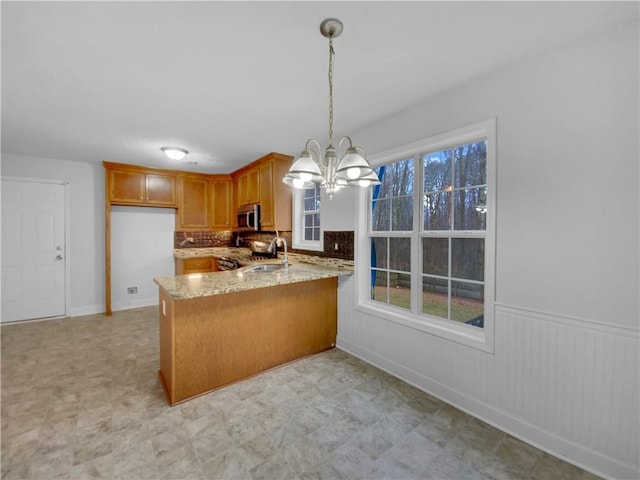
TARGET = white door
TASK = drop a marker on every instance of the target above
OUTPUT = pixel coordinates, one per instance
(33, 250)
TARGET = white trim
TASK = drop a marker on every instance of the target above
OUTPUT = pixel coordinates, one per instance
(482, 339)
(565, 320)
(67, 231)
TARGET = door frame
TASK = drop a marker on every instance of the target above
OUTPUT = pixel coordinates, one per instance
(67, 237)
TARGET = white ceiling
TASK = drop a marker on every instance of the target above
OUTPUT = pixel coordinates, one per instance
(232, 81)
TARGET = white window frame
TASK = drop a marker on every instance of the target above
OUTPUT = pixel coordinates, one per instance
(480, 338)
(298, 214)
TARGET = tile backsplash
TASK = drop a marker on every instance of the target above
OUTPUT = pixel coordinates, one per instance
(201, 239)
(343, 240)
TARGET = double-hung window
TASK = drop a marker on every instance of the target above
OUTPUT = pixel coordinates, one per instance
(307, 231)
(430, 236)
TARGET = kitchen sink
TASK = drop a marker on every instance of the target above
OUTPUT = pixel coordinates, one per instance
(264, 268)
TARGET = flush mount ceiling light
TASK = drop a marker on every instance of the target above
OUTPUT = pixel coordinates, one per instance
(344, 166)
(174, 153)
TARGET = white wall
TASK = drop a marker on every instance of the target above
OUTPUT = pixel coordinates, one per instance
(141, 248)
(564, 374)
(85, 246)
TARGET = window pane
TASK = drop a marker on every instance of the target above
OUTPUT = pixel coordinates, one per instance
(308, 220)
(379, 252)
(400, 254)
(379, 286)
(470, 164)
(310, 204)
(402, 219)
(316, 233)
(396, 179)
(437, 211)
(468, 212)
(435, 300)
(400, 290)
(467, 258)
(467, 302)
(437, 171)
(381, 215)
(435, 256)
(308, 233)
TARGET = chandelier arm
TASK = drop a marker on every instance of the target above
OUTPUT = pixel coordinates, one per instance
(361, 151)
(342, 140)
(315, 152)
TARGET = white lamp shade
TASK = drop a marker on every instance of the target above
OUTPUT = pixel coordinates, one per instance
(305, 169)
(353, 166)
(294, 182)
(367, 180)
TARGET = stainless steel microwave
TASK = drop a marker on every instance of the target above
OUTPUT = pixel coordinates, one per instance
(249, 217)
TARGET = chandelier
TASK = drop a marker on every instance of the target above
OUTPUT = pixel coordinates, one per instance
(341, 166)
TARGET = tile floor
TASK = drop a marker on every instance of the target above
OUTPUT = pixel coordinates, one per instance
(81, 399)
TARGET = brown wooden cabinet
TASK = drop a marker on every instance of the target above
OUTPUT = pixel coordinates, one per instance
(160, 189)
(275, 197)
(193, 202)
(128, 185)
(211, 341)
(185, 266)
(221, 193)
(264, 176)
(248, 187)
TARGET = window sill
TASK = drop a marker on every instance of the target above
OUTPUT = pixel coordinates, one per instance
(314, 247)
(470, 336)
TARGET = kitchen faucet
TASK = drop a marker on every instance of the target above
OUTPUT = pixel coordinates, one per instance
(279, 241)
(186, 240)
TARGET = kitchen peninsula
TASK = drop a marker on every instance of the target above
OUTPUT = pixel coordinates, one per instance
(218, 328)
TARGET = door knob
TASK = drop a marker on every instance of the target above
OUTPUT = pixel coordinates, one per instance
(58, 257)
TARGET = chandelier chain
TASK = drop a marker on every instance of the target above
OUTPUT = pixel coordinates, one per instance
(331, 55)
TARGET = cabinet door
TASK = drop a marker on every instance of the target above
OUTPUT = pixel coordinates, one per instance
(186, 266)
(161, 189)
(220, 203)
(126, 186)
(249, 187)
(193, 205)
(253, 186)
(266, 196)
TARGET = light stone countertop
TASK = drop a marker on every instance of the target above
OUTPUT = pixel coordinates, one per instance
(243, 256)
(183, 287)
(204, 252)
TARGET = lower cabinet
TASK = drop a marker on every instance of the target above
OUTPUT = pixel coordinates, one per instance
(185, 266)
(211, 341)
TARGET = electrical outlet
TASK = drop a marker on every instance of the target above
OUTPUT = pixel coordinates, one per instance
(132, 290)
(335, 246)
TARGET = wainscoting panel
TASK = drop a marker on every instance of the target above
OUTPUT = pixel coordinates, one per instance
(566, 385)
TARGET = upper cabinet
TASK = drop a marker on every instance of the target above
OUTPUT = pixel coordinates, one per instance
(128, 185)
(206, 202)
(248, 183)
(261, 182)
(193, 202)
(221, 194)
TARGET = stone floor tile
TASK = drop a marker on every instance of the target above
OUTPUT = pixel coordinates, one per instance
(228, 465)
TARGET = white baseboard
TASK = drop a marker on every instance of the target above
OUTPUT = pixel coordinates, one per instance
(141, 302)
(572, 452)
